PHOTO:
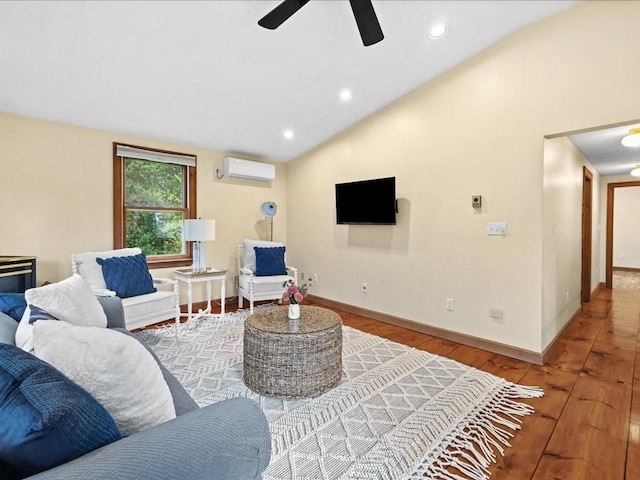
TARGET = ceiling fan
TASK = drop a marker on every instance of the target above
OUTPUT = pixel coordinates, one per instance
(363, 11)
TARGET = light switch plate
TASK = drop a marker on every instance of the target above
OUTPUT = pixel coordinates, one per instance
(497, 228)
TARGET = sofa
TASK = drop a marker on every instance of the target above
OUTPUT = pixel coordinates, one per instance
(226, 440)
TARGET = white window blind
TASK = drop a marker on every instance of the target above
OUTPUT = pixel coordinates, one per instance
(142, 154)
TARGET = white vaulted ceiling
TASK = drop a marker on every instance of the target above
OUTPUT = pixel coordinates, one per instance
(203, 73)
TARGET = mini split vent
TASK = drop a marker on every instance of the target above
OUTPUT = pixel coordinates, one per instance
(240, 168)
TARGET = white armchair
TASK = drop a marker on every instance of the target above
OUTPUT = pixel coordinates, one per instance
(139, 310)
(254, 284)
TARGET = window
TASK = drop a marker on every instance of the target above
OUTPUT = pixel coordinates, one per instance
(154, 191)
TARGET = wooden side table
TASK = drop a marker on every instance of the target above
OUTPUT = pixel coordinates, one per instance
(190, 277)
(292, 358)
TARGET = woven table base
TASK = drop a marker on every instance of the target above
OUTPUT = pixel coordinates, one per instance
(292, 359)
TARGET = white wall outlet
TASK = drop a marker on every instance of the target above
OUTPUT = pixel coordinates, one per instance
(497, 228)
(365, 287)
(449, 304)
(566, 298)
(495, 313)
(315, 278)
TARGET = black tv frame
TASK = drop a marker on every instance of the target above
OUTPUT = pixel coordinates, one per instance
(367, 202)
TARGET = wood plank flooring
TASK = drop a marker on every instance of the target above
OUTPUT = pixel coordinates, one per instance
(587, 426)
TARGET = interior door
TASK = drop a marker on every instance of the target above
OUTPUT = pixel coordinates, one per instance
(587, 198)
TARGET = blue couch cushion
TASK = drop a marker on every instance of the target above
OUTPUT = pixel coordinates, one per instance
(13, 304)
(47, 419)
(270, 261)
(127, 276)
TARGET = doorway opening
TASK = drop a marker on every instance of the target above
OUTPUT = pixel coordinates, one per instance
(611, 189)
(587, 215)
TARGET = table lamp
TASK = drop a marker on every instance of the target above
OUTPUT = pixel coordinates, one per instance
(198, 231)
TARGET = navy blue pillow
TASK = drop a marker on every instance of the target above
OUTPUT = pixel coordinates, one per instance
(270, 261)
(13, 304)
(37, 313)
(127, 276)
(47, 419)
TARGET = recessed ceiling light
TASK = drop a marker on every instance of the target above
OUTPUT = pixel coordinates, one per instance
(288, 134)
(345, 95)
(438, 31)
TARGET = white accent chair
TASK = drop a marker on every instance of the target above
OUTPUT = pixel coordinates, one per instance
(254, 287)
(141, 310)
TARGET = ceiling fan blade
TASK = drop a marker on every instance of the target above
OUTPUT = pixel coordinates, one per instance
(367, 21)
(281, 13)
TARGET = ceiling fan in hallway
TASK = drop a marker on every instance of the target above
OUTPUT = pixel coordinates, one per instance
(363, 11)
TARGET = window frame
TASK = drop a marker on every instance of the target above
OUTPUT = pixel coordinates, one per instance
(119, 207)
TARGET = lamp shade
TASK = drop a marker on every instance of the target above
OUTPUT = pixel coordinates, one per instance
(199, 230)
(269, 209)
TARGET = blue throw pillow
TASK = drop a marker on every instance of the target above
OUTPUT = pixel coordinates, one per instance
(47, 419)
(127, 276)
(270, 261)
(37, 313)
(13, 304)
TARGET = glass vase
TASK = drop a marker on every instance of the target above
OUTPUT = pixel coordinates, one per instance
(294, 311)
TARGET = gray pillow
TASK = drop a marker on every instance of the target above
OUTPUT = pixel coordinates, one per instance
(8, 328)
(112, 307)
(182, 401)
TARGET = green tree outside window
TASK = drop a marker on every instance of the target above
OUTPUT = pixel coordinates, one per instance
(155, 206)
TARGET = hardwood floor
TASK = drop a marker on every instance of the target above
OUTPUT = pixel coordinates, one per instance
(587, 426)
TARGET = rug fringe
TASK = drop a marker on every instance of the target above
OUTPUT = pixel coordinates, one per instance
(189, 326)
(472, 448)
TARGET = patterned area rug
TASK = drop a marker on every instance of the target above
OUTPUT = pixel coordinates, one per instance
(398, 412)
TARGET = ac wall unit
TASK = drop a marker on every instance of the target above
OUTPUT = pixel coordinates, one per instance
(237, 167)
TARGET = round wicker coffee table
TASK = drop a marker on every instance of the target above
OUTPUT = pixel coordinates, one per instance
(292, 358)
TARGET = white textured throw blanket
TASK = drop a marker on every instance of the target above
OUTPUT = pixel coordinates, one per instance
(398, 413)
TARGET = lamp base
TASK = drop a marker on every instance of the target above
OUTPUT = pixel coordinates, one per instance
(199, 261)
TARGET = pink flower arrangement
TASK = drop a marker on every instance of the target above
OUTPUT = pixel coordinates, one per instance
(294, 293)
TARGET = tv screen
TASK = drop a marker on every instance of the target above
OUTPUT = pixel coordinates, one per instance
(368, 202)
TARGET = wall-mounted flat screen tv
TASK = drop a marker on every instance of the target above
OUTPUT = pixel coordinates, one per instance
(367, 202)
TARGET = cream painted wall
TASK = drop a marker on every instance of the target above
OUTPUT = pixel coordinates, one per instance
(56, 197)
(478, 129)
(626, 228)
(562, 233)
